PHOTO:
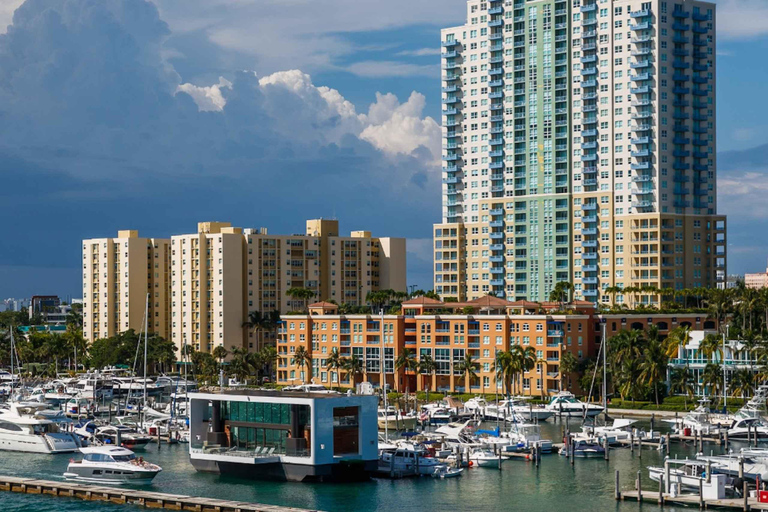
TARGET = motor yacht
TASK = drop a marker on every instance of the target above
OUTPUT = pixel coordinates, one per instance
(127, 437)
(21, 430)
(485, 459)
(392, 419)
(409, 457)
(620, 430)
(310, 388)
(687, 474)
(111, 465)
(698, 421)
(730, 464)
(565, 404)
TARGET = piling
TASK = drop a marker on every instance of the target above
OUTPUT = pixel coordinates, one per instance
(639, 487)
(701, 494)
(605, 447)
(667, 440)
(499, 458)
(661, 490)
(616, 490)
(746, 496)
(741, 467)
(653, 418)
(158, 438)
(571, 449)
(726, 440)
(709, 471)
(701, 441)
(632, 442)
(666, 474)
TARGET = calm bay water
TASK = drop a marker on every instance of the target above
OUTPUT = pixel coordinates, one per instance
(555, 485)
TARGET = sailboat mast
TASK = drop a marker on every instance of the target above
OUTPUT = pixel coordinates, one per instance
(605, 349)
(146, 329)
(13, 350)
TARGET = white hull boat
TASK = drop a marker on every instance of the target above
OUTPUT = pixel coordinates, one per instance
(111, 465)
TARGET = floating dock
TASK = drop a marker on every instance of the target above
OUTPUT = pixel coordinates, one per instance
(692, 500)
(133, 497)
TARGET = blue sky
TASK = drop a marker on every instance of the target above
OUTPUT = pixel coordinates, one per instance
(154, 116)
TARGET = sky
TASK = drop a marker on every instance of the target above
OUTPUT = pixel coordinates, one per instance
(156, 115)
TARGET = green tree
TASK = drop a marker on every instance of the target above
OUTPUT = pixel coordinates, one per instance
(406, 361)
(220, 353)
(676, 340)
(427, 367)
(568, 365)
(653, 368)
(680, 382)
(334, 362)
(712, 379)
(300, 296)
(468, 367)
(742, 383)
(303, 359)
(353, 366)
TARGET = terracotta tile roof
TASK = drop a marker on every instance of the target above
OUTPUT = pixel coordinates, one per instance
(323, 305)
(421, 301)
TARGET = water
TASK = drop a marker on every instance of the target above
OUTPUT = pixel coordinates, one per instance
(555, 485)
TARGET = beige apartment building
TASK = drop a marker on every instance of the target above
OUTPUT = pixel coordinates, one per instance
(204, 285)
(118, 276)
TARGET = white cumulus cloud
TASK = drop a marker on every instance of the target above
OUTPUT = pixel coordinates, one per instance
(207, 98)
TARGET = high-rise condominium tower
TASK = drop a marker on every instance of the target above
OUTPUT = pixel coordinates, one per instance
(579, 145)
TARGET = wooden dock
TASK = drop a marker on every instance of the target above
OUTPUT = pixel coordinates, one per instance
(692, 500)
(133, 497)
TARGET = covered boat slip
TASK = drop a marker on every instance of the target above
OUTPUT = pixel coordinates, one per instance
(293, 436)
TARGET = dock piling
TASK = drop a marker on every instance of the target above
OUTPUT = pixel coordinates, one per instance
(639, 487)
(741, 467)
(701, 494)
(616, 490)
(667, 438)
(605, 447)
(661, 490)
(746, 496)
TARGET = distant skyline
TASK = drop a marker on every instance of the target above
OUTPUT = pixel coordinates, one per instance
(121, 115)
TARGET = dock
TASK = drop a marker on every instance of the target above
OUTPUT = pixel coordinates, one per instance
(692, 500)
(128, 496)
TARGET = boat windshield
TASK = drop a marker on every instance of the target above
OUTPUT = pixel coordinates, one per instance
(124, 458)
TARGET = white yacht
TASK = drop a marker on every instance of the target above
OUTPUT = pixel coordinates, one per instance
(134, 386)
(565, 404)
(730, 464)
(408, 457)
(620, 430)
(524, 436)
(392, 419)
(310, 388)
(484, 459)
(111, 465)
(127, 437)
(698, 421)
(21, 430)
(7, 377)
(687, 474)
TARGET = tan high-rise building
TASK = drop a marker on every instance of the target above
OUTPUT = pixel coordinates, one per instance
(221, 274)
(579, 145)
(118, 275)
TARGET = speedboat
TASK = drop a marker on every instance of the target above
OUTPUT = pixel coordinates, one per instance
(584, 449)
(484, 459)
(685, 473)
(620, 430)
(565, 404)
(409, 457)
(127, 437)
(698, 421)
(391, 418)
(21, 430)
(525, 436)
(111, 465)
(730, 464)
(443, 471)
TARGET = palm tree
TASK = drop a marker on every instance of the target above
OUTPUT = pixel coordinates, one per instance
(743, 383)
(301, 295)
(354, 366)
(240, 366)
(503, 367)
(406, 361)
(568, 365)
(427, 367)
(468, 367)
(712, 379)
(303, 359)
(220, 353)
(653, 368)
(710, 345)
(334, 362)
(612, 291)
(525, 360)
(680, 382)
(719, 304)
(677, 339)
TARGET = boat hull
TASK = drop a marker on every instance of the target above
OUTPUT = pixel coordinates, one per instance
(49, 443)
(399, 424)
(345, 471)
(113, 477)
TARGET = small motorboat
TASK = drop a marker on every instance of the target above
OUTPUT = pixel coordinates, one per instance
(123, 436)
(584, 449)
(687, 474)
(484, 459)
(111, 465)
(391, 418)
(446, 472)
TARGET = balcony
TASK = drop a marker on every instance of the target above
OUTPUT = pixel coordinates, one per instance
(588, 84)
(641, 178)
(497, 259)
(589, 8)
(640, 65)
(496, 23)
(451, 180)
(589, 207)
(678, 52)
(589, 256)
(589, 280)
(497, 282)
(642, 204)
(496, 154)
(497, 223)
(449, 44)
(450, 112)
(681, 15)
(640, 14)
(589, 243)
(589, 268)
(590, 293)
(589, 219)
(680, 26)
(589, 170)
(495, 10)
(589, 133)
(682, 191)
(640, 90)
(681, 179)
(589, 182)
(698, 16)
(497, 247)
(641, 128)
(680, 39)
(641, 140)
(642, 153)
(496, 83)
(497, 235)
(679, 203)
(640, 26)
(451, 158)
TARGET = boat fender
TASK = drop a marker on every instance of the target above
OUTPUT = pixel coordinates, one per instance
(471, 463)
